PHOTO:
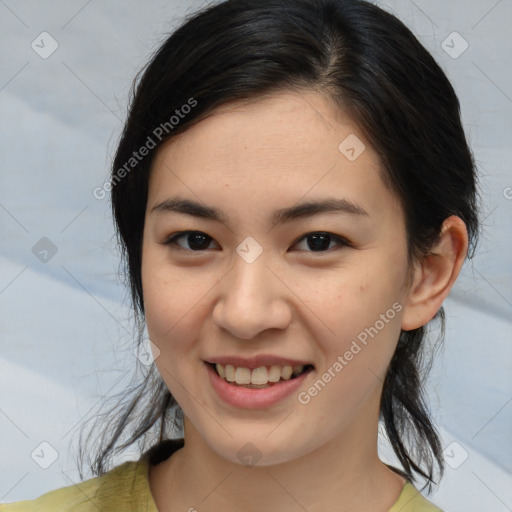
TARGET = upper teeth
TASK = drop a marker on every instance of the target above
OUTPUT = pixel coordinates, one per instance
(258, 376)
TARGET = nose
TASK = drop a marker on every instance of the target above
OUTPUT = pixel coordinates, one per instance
(252, 299)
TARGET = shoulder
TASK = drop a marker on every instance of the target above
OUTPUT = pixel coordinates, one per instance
(411, 500)
(126, 488)
(123, 488)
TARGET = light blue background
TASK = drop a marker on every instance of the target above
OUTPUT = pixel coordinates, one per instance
(66, 339)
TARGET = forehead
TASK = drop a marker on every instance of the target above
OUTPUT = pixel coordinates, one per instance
(281, 147)
(284, 126)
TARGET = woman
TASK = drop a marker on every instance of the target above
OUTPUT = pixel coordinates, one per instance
(295, 197)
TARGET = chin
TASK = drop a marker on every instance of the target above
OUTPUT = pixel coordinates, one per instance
(256, 451)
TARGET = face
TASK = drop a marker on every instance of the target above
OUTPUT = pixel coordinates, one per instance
(269, 281)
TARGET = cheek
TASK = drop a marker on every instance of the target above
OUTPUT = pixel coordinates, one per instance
(363, 309)
(356, 357)
(171, 327)
(357, 299)
(175, 301)
(165, 297)
(167, 305)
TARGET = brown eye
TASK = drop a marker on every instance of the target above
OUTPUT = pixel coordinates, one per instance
(321, 242)
(196, 240)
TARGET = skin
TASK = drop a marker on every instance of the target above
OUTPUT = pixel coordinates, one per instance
(249, 160)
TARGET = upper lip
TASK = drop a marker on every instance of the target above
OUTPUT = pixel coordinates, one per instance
(256, 361)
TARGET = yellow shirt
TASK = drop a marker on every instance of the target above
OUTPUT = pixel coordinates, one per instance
(126, 489)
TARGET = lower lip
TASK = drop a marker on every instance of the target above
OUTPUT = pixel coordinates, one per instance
(253, 398)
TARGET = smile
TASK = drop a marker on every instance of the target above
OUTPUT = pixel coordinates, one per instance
(256, 396)
(263, 376)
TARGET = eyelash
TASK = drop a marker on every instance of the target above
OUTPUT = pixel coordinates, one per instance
(341, 242)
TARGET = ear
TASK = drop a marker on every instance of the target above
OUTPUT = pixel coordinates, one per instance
(435, 274)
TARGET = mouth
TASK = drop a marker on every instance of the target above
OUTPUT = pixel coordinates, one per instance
(260, 377)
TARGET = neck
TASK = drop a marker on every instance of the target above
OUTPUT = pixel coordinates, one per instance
(344, 474)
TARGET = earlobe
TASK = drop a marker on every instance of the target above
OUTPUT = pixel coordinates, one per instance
(435, 275)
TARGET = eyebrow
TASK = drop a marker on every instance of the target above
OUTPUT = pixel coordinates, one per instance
(281, 216)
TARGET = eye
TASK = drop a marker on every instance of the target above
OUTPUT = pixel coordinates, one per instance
(196, 240)
(321, 242)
